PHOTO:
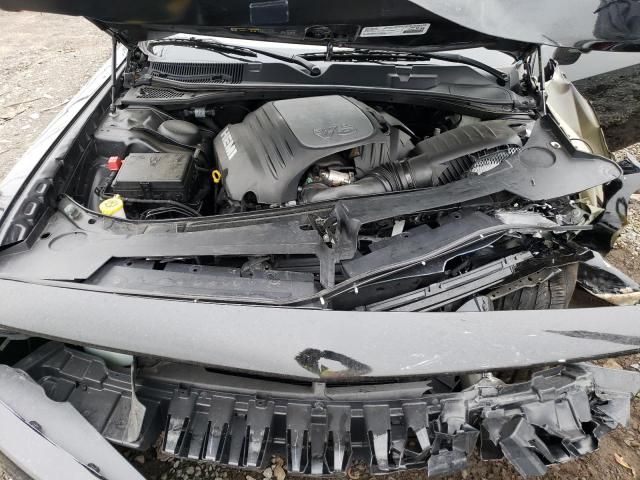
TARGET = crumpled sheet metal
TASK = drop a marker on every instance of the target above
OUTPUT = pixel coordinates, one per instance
(608, 283)
(622, 299)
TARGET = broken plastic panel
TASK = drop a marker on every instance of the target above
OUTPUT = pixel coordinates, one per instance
(559, 414)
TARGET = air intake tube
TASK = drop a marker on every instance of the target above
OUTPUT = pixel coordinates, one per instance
(416, 172)
(437, 160)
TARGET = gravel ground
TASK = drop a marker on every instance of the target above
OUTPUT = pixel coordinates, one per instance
(44, 60)
(616, 98)
(39, 73)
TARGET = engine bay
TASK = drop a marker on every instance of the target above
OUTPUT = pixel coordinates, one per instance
(329, 201)
(209, 160)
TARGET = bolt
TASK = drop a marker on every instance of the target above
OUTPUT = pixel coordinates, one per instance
(555, 145)
(72, 212)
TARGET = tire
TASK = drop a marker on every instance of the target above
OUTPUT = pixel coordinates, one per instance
(555, 293)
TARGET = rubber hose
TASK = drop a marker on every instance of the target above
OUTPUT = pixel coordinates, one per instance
(416, 172)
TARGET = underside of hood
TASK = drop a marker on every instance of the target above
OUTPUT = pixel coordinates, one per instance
(423, 25)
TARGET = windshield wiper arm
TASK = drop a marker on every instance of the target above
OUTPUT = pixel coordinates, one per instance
(360, 55)
(461, 59)
(297, 59)
(240, 51)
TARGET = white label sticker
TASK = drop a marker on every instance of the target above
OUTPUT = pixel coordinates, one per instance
(395, 30)
(227, 142)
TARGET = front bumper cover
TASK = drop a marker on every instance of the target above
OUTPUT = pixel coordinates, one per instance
(311, 345)
(44, 439)
(558, 414)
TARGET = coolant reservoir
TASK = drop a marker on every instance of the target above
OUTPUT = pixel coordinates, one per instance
(113, 207)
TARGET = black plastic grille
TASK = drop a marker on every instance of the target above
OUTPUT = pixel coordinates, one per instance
(158, 93)
(478, 163)
(199, 72)
(490, 159)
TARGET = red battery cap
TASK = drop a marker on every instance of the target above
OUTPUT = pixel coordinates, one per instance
(114, 163)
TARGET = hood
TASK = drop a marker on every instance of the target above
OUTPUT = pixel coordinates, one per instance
(509, 25)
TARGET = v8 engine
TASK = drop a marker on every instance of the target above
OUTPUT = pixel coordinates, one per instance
(269, 152)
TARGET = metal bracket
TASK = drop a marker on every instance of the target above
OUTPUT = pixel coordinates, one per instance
(528, 281)
(329, 52)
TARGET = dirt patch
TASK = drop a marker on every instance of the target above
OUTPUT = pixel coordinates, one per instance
(45, 59)
(626, 254)
(615, 97)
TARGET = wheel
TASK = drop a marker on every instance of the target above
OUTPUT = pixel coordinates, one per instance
(555, 293)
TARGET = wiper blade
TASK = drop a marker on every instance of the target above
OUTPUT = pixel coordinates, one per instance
(360, 55)
(207, 45)
(223, 48)
(461, 59)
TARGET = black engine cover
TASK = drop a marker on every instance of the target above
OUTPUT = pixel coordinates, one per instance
(272, 148)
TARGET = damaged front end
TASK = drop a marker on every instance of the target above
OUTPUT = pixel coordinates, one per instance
(368, 304)
(360, 257)
(550, 416)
